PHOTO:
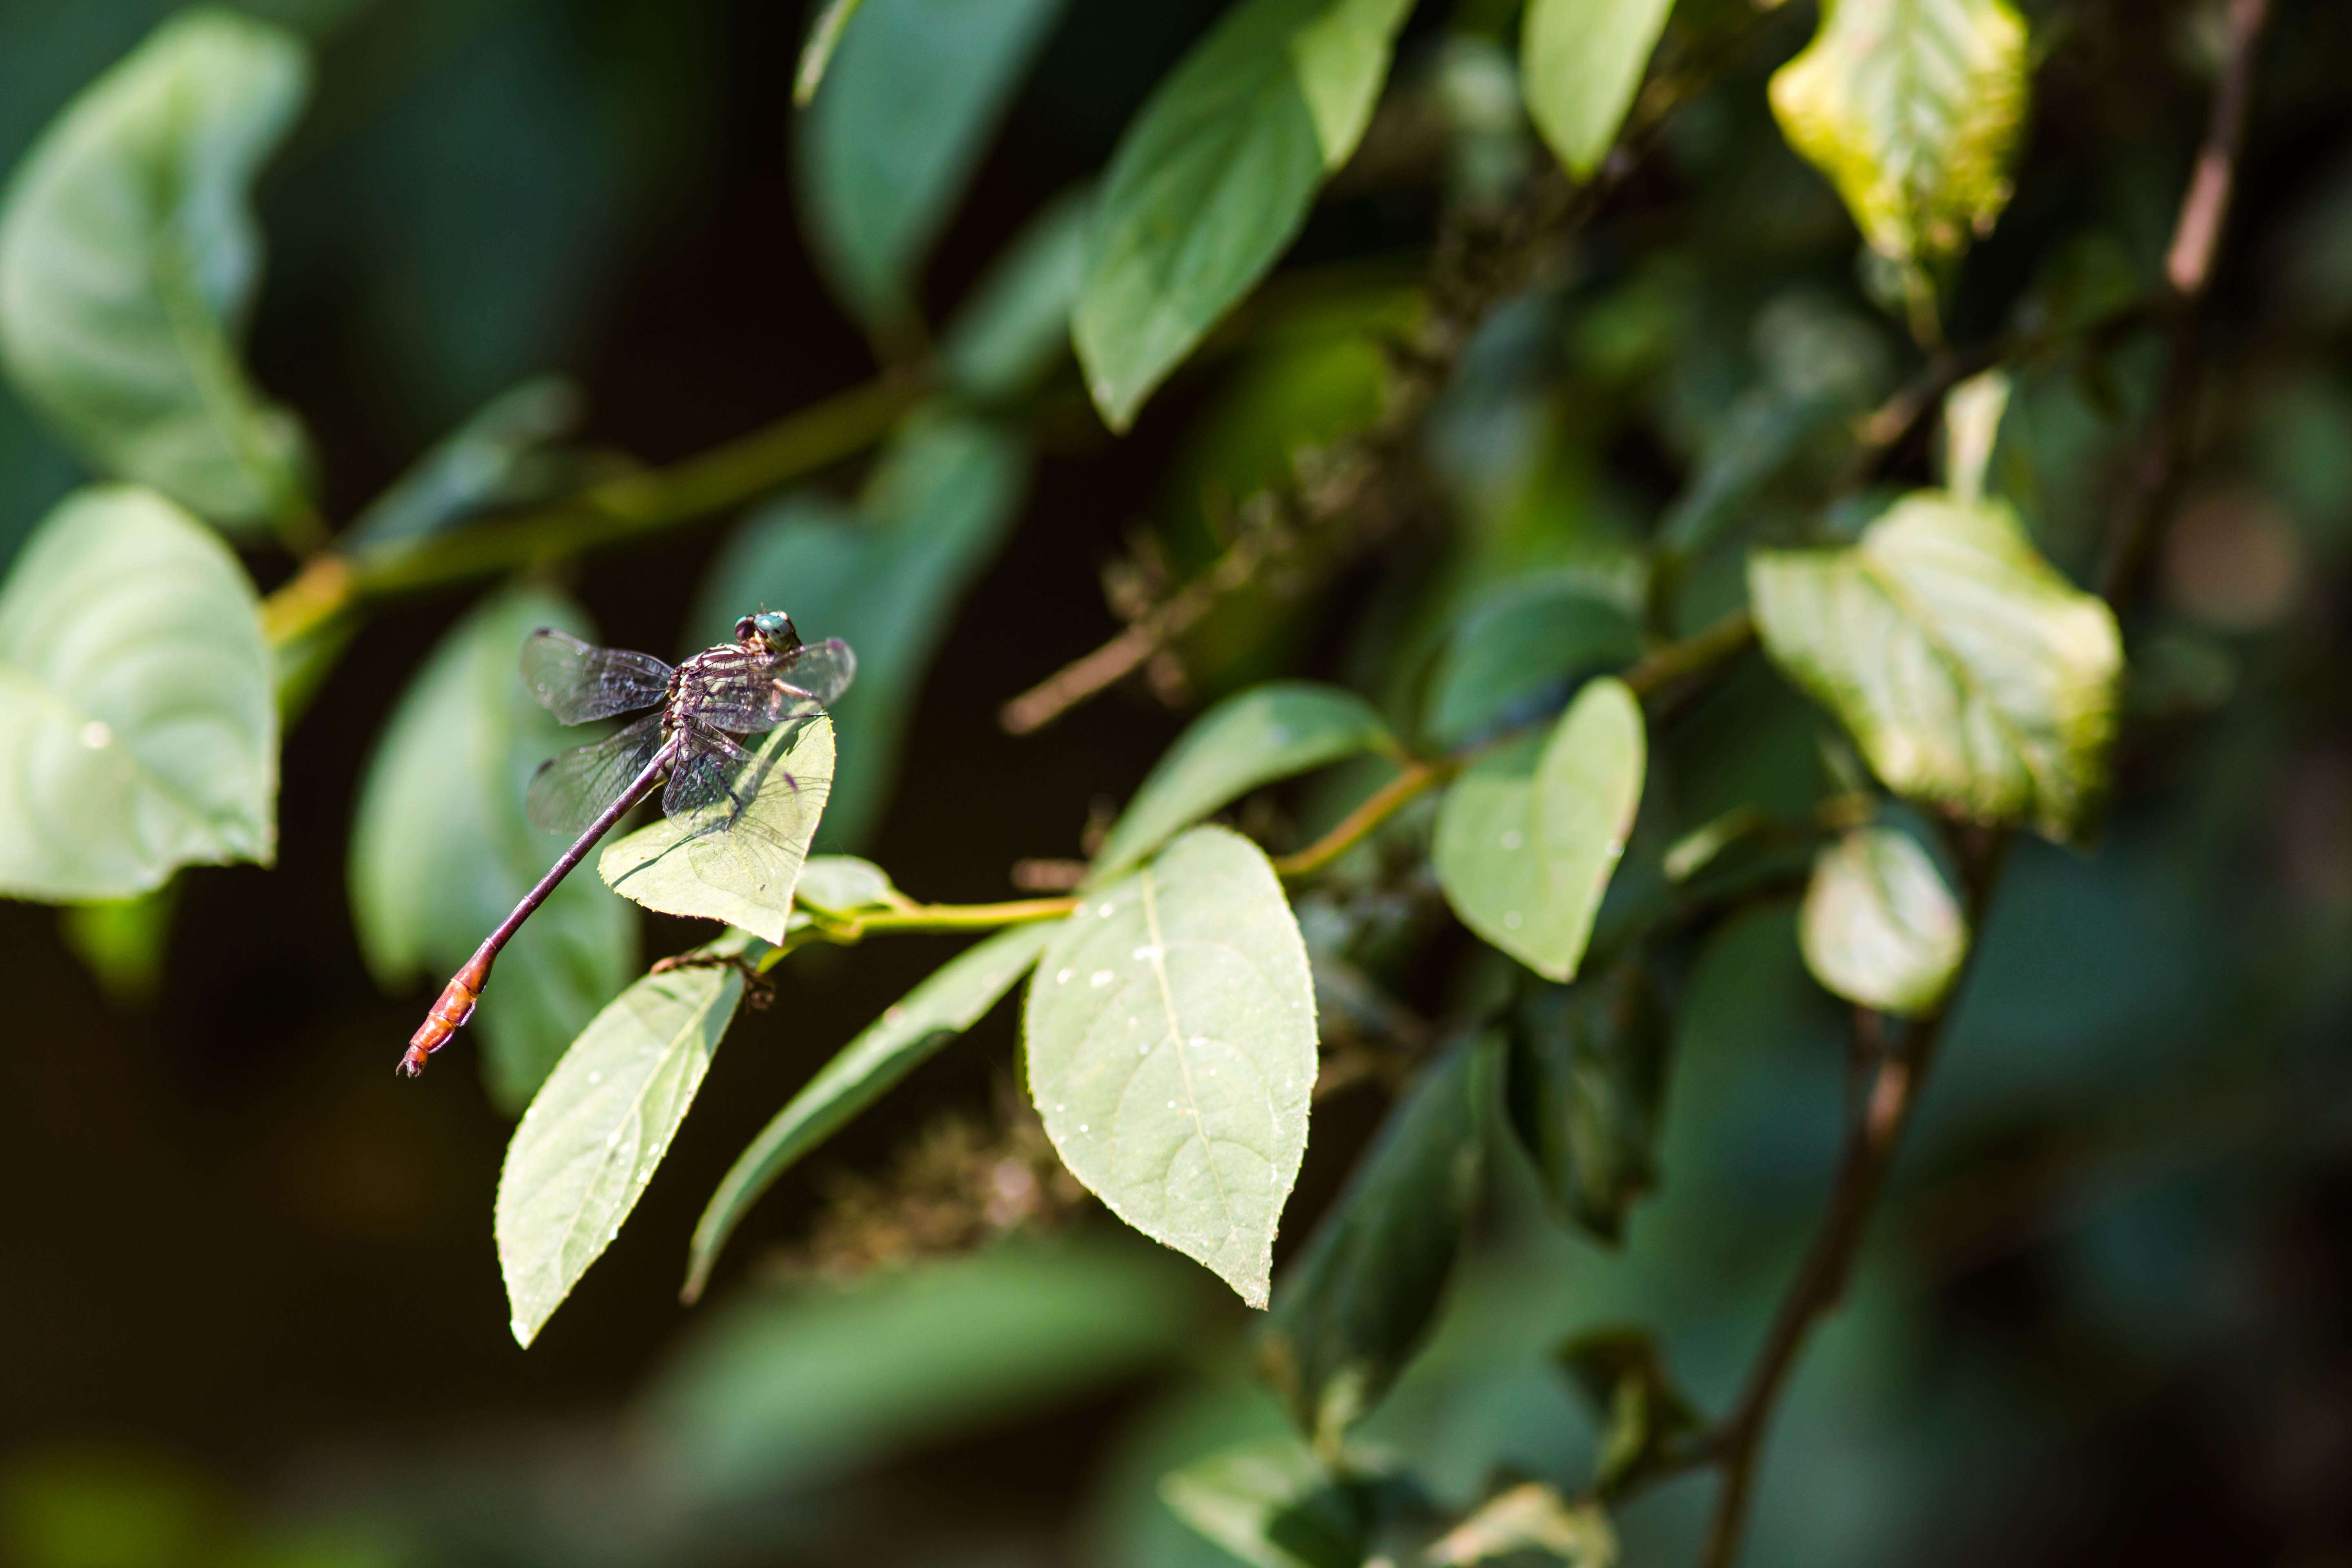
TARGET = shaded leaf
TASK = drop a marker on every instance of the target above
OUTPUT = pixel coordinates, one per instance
(129, 256)
(1527, 839)
(1357, 1303)
(1526, 642)
(1972, 674)
(121, 942)
(1215, 177)
(1912, 108)
(1252, 737)
(441, 850)
(887, 579)
(1588, 1082)
(816, 54)
(603, 1121)
(498, 457)
(1529, 1517)
(1622, 1375)
(1015, 327)
(943, 1007)
(891, 138)
(1273, 1505)
(1581, 62)
(135, 704)
(719, 863)
(1879, 926)
(1171, 1046)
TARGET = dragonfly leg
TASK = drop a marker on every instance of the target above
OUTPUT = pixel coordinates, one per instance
(758, 990)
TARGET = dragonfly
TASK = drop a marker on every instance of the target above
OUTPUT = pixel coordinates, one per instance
(767, 676)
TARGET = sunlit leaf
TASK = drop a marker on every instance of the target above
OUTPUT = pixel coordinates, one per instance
(1273, 1505)
(892, 136)
(795, 1386)
(886, 578)
(1527, 839)
(843, 884)
(1528, 639)
(1622, 1375)
(603, 1121)
(1913, 109)
(1972, 415)
(1879, 926)
(1016, 325)
(1215, 177)
(943, 1007)
(1170, 1045)
(1354, 1307)
(135, 707)
(1581, 62)
(498, 457)
(1972, 675)
(441, 850)
(1588, 1077)
(1250, 739)
(740, 866)
(1529, 1518)
(129, 256)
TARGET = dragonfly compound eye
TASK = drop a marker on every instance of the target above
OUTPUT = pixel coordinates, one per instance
(744, 628)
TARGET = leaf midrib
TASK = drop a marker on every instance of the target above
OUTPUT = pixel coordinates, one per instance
(1158, 962)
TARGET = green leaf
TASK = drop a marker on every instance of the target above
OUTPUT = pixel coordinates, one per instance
(1581, 62)
(1588, 1079)
(441, 851)
(498, 457)
(1623, 1375)
(1528, 638)
(1356, 1305)
(793, 1387)
(589, 1144)
(1972, 675)
(123, 942)
(135, 704)
(1213, 180)
(1913, 109)
(887, 579)
(943, 1007)
(129, 256)
(1529, 1517)
(817, 55)
(1972, 415)
(1879, 926)
(1273, 1505)
(1252, 737)
(891, 139)
(1170, 1044)
(843, 884)
(741, 867)
(1015, 327)
(1527, 841)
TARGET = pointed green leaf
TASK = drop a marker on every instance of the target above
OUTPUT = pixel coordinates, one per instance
(589, 1144)
(1913, 109)
(891, 138)
(1015, 327)
(1252, 737)
(1170, 1043)
(1972, 674)
(1356, 1305)
(1526, 841)
(1587, 1076)
(741, 867)
(1273, 1505)
(1581, 62)
(1879, 926)
(135, 704)
(1622, 1375)
(943, 1007)
(1972, 415)
(1215, 177)
(128, 258)
(1529, 1518)
(441, 850)
(499, 458)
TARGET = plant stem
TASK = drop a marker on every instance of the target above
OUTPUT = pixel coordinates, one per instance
(943, 917)
(1365, 820)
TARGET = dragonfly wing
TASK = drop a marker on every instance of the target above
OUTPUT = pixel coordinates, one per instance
(820, 674)
(733, 847)
(577, 682)
(754, 694)
(709, 775)
(571, 790)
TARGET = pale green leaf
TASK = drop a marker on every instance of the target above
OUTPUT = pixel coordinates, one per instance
(1529, 1517)
(1581, 62)
(843, 884)
(1526, 841)
(1273, 1505)
(1972, 675)
(943, 1007)
(603, 1121)
(1252, 737)
(1170, 1044)
(817, 55)
(740, 866)
(129, 256)
(441, 850)
(1879, 927)
(891, 138)
(1588, 1079)
(1354, 1307)
(1913, 109)
(135, 705)
(1532, 637)
(1015, 327)
(1213, 180)
(1972, 415)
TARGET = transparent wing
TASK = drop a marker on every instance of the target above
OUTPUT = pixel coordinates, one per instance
(744, 693)
(713, 771)
(571, 789)
(577, 682)
(714, 787)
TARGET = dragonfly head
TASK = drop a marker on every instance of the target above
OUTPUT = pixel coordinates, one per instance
(769, 629)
